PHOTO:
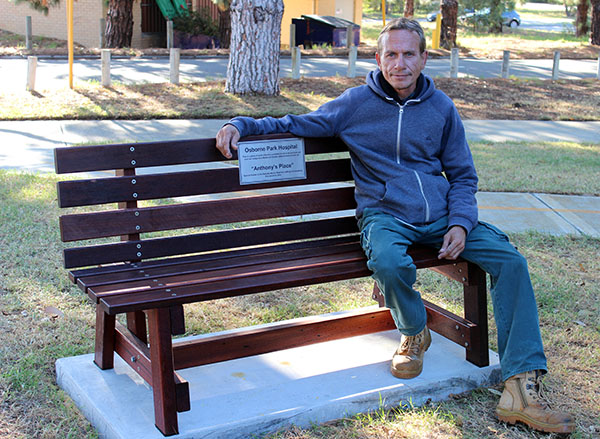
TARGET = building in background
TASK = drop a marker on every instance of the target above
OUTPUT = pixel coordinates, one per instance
(149, 26)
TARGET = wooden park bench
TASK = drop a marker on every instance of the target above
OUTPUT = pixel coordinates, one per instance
(149, 276)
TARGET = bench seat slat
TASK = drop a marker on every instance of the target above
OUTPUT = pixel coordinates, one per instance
(233, 281)
(160, 274)
(152, 219)
(234, 287)
(206, 242)
(181, 184)
(271, 265)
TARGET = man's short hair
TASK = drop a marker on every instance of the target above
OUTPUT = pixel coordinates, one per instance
(403, 24)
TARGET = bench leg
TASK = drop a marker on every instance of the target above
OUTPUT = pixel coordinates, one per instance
(136, 323)
(475, 297)
(105, 340)
(377, 295)
(163, 371)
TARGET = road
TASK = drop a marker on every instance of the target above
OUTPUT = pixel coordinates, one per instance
(53, 73)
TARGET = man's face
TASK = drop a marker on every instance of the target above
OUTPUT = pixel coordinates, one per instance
(401, 61)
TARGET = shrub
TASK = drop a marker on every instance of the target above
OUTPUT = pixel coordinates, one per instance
(197, 23)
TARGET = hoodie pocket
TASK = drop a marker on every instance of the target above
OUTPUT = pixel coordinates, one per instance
(403, 196)
(418, 197)
(435, 191)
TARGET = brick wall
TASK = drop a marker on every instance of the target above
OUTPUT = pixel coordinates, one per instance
(86, 20)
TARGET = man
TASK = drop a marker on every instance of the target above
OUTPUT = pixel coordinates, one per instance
(415, 182)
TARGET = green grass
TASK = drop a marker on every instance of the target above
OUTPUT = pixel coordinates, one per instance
(565, 273)
(558, 167)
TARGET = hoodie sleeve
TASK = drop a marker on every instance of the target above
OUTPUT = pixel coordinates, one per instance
(327, 121)
(460, 171)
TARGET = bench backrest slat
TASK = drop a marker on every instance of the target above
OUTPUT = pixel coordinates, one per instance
(153, 219)
(182, 184)
(220, 201)
(140, 155)
(206, 242)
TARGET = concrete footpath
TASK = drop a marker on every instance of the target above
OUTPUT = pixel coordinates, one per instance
(252, 396)
(28, 145)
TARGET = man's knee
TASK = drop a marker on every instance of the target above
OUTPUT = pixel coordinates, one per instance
(390, 264)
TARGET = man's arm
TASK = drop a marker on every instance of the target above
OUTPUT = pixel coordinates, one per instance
(227, 139)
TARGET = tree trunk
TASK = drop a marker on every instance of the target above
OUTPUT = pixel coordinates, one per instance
(254, 50)
(496, 17)
(595, 37)
(581, 20)
(449, 17)
(119, 23)
(409, 8)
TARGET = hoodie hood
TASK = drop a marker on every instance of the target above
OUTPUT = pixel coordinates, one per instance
(375, 77)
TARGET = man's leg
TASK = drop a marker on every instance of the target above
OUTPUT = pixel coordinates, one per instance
(519, 341)
(515, 310)
(385, 241)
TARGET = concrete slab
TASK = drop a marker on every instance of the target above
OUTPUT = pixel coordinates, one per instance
(261, 394)
(582, 212)
(520, 212)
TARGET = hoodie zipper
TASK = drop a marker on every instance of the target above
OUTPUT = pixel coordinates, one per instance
(398, 132)
(424, 197)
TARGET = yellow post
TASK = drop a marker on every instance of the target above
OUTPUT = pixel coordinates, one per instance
(435, 39)
(70, 39)
(383, 11)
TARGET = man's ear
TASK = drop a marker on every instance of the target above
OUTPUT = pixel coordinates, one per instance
(378, 60)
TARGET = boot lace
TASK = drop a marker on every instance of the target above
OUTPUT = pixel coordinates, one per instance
(535, 388)
(411, 344)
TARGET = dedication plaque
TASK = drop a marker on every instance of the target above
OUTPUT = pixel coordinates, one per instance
(263, 161)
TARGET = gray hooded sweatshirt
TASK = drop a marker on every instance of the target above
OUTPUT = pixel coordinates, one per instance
(410, 160)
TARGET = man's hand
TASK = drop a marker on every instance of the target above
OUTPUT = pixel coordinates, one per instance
(454, 243)
(227, 139)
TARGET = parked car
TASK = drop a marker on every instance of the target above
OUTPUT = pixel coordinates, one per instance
(509, 18)
(433, 15)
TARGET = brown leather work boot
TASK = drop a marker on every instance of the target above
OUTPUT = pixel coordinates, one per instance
(522, 401)
(407, 362)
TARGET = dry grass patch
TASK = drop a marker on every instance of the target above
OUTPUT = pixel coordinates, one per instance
(475, 99)
(525, 44)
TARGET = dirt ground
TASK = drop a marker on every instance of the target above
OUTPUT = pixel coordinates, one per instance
(495, 98)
